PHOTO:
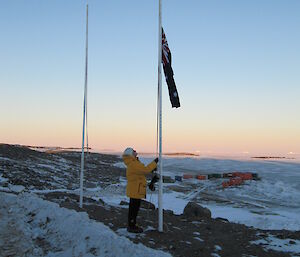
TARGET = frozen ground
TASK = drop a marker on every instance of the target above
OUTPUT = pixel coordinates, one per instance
(270, 203)
(31, 226)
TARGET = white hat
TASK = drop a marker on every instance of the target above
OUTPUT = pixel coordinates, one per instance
(128, 151)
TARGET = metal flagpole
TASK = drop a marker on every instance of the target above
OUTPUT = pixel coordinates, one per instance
(86, 77)
(157, 122)
(160, 186)
(86, 118)
(84, 110)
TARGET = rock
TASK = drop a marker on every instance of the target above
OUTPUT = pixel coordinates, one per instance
(124, 203)
(222, 219)
(168, 179)
(147, 205)
(90, 184)
(194, 211)
(280, 236)
(168, 212)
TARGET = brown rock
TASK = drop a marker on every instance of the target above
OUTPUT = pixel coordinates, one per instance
(195, 211)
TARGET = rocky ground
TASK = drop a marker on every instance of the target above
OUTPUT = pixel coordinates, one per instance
(184, 235)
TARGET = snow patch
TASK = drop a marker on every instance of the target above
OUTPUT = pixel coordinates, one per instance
(16, 188)
(2, 179)
(123, 232)
(65, 232)
(120, 165)
(283, 245)
(198, 238)
(4, 159)
(218, 248)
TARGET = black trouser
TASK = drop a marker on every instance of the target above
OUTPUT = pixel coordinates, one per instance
(134, 206)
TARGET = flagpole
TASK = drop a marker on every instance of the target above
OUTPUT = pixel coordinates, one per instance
(86, 76)
(160, 185)
(86, 120)
(84, 111)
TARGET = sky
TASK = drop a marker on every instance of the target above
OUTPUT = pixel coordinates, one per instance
(236, 66)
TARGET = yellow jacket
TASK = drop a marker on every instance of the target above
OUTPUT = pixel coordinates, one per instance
(135, 173)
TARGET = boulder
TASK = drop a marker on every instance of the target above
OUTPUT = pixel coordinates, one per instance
(168, 212)
(195, 211)
(168, 179)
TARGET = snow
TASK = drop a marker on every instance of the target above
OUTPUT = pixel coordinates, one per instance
(16, 188)
(112, 194)
(2, 179)
(125, 233)
(4, 159)
(171, 201)
(46, 191)
(4, 189)
(279, 220)
(26, 219)
(199, 239)
(283, 245)
(218, 248)
(120, 165)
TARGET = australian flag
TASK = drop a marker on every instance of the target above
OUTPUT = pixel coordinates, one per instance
(166, 60)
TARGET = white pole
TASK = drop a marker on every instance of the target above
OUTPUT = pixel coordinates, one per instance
(86, 119)
(86, 78)
(160, 186)
(84, 112)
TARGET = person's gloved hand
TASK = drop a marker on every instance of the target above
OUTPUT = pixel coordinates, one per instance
(153, 181)
(151, 187)
(156, 160)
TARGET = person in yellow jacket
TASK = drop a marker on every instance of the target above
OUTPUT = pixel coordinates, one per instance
(136, 185)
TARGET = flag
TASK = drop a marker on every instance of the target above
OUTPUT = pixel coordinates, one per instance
(166, 61)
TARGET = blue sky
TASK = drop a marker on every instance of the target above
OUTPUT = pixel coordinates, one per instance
(236, 66)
